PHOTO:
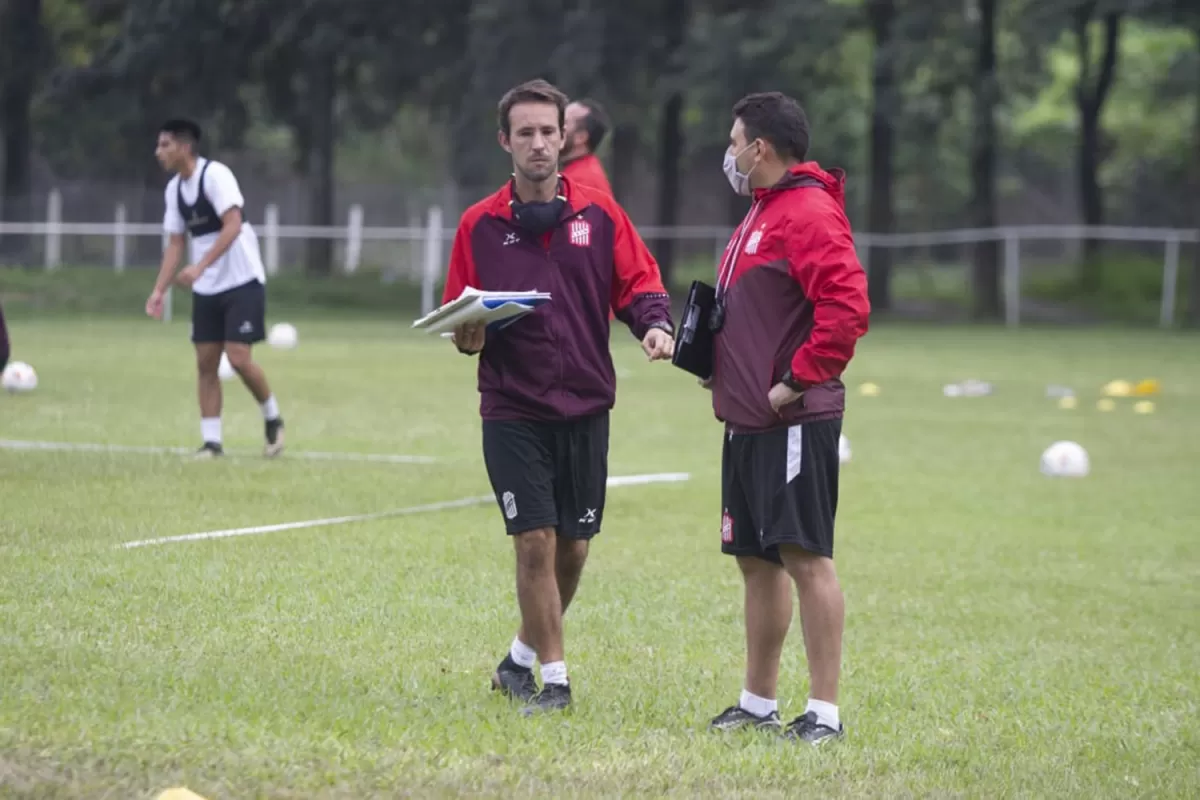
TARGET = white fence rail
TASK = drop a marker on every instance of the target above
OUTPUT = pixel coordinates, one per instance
(434, 235)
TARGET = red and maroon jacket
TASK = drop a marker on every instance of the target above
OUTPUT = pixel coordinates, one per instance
(554, 363)
(795, 300)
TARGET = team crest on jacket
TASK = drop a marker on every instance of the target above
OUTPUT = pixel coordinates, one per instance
(581, 233)
(752, 242)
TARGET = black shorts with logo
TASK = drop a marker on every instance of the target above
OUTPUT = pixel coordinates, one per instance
(549, 474)
(780, 487)
(234, 315)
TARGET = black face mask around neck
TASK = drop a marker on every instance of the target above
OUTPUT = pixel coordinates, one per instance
(537, 218)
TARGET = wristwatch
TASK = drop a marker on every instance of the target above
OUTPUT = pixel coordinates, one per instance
(789, 381)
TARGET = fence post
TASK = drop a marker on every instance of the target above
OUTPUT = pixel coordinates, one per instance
(433, 258)
(119, 241)
(169, 294)
(1012, 280)
(416, 266)
(354, 239)
(1166, 313)
(271, 234)
(53, 230)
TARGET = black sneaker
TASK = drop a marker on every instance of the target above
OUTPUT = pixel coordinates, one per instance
(552, 697)
(806, 729)
(513, 680)
(735, 718)
(210, 450)
(274, 433)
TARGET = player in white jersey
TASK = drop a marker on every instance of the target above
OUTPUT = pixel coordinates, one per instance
(225, 273)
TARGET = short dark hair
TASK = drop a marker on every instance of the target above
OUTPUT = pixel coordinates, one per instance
(535, 91)
(595, 123)
(777, 118)
(183, 129)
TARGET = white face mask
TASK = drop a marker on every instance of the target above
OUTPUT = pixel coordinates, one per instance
(740, 181)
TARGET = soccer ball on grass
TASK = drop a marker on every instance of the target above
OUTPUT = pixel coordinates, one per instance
(19, 377)
(1065, 460)
(282, 336)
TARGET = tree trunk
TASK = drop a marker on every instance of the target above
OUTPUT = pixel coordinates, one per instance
(1090, 194)
(20, 29)
(670, 152)
(671, 140)
(624, 160)
(322, 96)
(881, 211)
(1090, 101)
(986, 288)
(1193, 306)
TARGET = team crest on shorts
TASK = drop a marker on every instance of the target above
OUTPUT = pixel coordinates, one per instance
(726, 528)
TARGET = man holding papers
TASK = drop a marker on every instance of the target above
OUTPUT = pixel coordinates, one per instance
(547, 380)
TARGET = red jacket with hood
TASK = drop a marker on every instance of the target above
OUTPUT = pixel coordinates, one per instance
(795, 299)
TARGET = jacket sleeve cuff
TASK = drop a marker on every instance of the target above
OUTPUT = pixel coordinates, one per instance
(648, 311)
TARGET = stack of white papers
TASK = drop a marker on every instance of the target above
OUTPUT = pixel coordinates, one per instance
(497, 309)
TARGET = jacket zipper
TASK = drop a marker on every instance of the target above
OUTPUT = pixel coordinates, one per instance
(730, 262)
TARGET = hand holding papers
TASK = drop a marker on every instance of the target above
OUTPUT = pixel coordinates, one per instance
(496, 309)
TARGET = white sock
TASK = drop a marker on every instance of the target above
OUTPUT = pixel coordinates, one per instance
(555, 672)
(210, 429)
(758, 706)
(270, 408)
(522, 654)
(827, 713)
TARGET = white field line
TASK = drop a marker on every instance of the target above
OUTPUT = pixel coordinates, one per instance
(306, 455)
(314, 523)
(464, 502)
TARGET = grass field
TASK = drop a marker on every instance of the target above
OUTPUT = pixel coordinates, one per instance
(1008, 635)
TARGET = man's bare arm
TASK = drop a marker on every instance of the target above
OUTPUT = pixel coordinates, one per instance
(170, 262)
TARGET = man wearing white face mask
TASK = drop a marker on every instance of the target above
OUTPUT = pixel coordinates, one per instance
(791, 304)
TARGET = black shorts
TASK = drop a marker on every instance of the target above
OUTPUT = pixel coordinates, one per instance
(780, 487)
(234, 315)
(549, 474)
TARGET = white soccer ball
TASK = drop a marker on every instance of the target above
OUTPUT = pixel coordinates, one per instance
(225, 370)
(843, 449)
(19, 377)
(1065, 460)
(282, 335)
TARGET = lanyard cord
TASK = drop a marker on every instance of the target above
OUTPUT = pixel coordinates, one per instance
(725, 275)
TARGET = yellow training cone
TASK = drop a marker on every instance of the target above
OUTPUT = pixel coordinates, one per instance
(1105, 404)
(179, 793)
(1118, 389)
(1143, 407)
(1067, 403)
(1147, 387)
(868, 390)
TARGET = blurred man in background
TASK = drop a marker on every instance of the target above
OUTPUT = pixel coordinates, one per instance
(586, 126)
(225, 274)
(547, 382)
(791, 304)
